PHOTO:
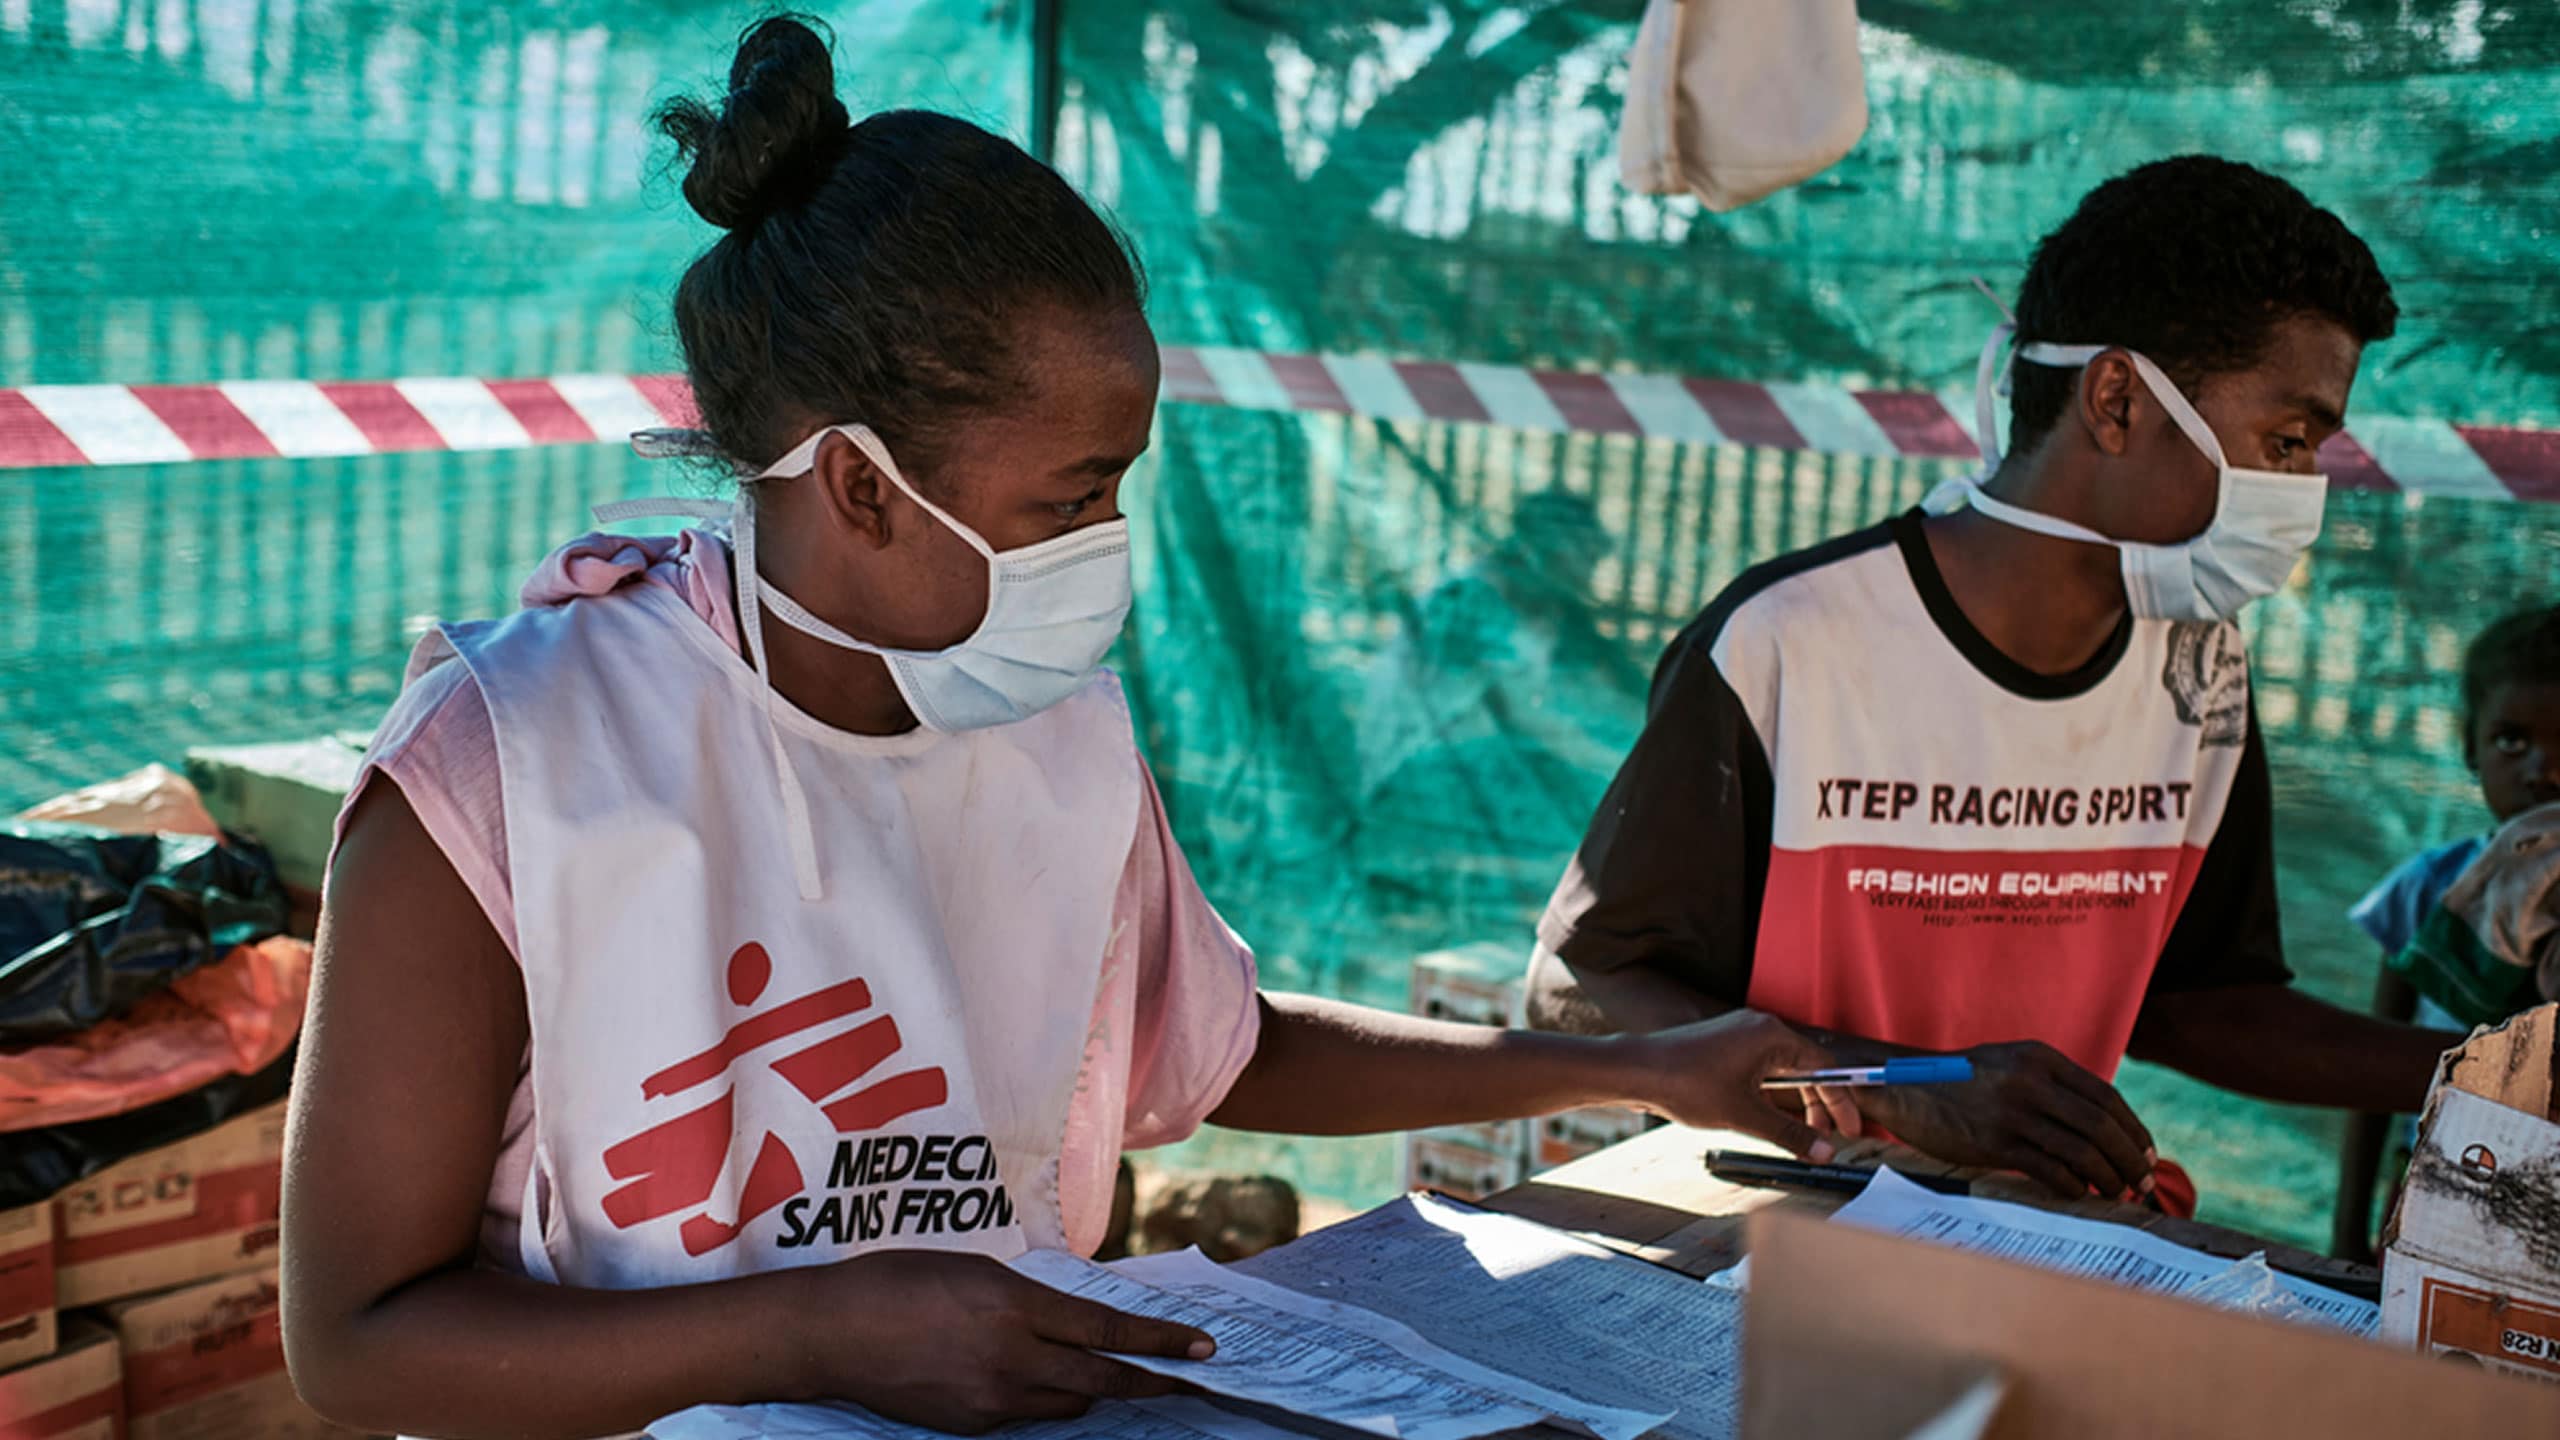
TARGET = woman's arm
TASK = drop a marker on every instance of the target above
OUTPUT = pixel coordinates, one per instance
(1323, 1067)
(417, 1028)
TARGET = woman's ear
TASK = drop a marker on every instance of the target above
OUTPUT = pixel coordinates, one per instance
(852, 489)
(2106, 401)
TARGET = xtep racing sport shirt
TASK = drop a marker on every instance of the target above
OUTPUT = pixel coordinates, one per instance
(1848, 809)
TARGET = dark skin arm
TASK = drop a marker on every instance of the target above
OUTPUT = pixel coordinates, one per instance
(1323, 1067)
(2277, 1043)
(388, 1327)
(1635, 998)
(2368, 1133)
(2028, 1107)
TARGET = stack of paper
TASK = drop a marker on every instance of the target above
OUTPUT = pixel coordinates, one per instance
(1306, 1353)
(1324, 1359)
(1521, 1297)
(2132, 1258)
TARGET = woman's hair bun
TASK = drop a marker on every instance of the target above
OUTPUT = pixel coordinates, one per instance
(777, 134)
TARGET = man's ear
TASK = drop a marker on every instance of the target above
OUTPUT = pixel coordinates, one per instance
(852, 488)
(2108, 391)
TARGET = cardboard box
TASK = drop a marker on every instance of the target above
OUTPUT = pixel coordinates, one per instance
(1563, 1139)
(1855, 1333)
(1452, 1161)
(27, 1330)
(202, 1207)
(206, 1362)
(284, 796)
(2471, 1259)
(78, 1394)
(1480, 984)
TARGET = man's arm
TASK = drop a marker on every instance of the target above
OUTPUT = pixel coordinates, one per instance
(2222, 1006)
(2277, 1043)
(2028, 1108)
(1605, 1002)
(1653, 923)
(2368, 1134)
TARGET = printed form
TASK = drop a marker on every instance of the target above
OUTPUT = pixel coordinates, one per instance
(2095, 1248)
(1317, 1348)
(1171, 1419)
(1324, 1359)
(1535, 1302)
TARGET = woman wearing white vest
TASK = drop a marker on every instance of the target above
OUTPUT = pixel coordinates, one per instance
(706, 1004)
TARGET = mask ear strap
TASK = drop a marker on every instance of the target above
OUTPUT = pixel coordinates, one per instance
(2181, 411)
(1989, 378)
(1986, 378)
(803, 457)
(1996, 302)
(799, 834)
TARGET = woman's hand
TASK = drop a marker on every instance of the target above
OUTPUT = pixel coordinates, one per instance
(960, 1343)
(1709, 1075)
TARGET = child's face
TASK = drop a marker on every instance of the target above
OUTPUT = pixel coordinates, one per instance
(2515, 745)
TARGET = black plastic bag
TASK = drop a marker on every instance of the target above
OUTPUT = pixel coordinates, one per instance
(36, 1164)
(91, 921)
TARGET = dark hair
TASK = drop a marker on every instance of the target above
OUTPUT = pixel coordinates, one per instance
(873, 272)
(2193, 262)
(2522, 648)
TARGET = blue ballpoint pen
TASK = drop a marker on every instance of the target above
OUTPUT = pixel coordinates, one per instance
(1908, 1070)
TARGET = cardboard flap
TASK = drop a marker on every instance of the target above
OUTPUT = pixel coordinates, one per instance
(1973, 1414)
(2516, 1064)
(2483, 1193)
(1839, 1318)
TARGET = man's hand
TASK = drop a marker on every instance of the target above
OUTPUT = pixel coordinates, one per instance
(2027, 1108)
(1709, 1075)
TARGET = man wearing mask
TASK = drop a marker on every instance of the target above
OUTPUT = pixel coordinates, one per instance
(1987, 777)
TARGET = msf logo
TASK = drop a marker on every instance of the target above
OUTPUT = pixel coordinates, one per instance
(675, 1165)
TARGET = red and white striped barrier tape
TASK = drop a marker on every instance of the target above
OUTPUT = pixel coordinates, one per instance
(146, 424)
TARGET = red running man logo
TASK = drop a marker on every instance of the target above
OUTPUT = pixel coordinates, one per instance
(674, 1165)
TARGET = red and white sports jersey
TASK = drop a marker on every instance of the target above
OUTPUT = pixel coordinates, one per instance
(1850, 810)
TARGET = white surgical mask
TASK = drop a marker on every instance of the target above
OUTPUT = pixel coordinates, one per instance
(2262, 521)
(1053, 610)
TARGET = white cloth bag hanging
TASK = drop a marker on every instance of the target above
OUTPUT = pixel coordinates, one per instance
(1732, 100)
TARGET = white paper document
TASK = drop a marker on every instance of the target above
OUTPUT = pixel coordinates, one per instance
(1532, 1301)
(1316, 1329)
(1167, 1419)
(1323, 1359)
(2096, 1248)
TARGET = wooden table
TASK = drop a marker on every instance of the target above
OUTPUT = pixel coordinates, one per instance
(1652, 1197)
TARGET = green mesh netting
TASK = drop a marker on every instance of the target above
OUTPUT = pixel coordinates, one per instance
(1383, 669)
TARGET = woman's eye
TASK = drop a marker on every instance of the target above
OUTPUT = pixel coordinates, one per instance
(2508, 742)
(2289, 445)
